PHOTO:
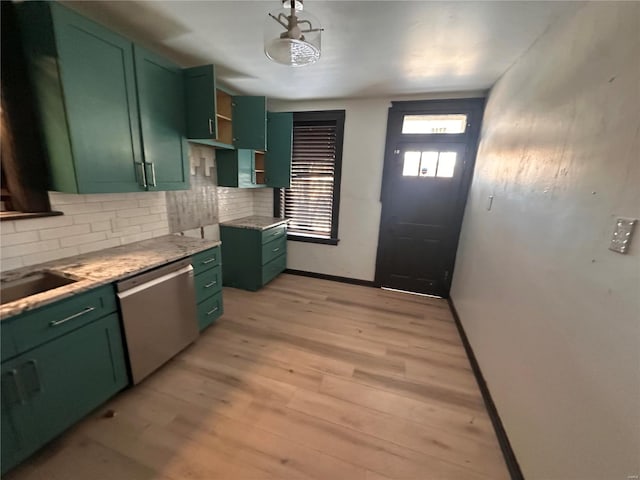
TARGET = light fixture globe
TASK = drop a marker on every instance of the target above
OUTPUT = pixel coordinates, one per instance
(292, 36)
(289, 51)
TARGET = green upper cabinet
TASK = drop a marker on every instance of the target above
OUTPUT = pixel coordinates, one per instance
(246, 168)
(84, 77)
(219, 118)
(250, 122)
(240, 168)
(200, 88)
(278, 156)
(162, 119)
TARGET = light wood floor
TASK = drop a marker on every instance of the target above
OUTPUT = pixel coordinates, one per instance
(305, 379)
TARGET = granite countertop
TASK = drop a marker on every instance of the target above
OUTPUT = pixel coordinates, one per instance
(255, 222)
(104, 266)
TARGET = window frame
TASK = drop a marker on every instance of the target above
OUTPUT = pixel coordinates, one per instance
(311, 117)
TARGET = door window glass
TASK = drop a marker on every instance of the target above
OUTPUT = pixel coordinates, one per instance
(411, 164)
(446, 164)
(430, 124)
(429, 164)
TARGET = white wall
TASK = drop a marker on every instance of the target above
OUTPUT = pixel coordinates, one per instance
(362, 160)
(553, 315)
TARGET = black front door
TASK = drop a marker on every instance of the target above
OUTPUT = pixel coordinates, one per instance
(425, 185)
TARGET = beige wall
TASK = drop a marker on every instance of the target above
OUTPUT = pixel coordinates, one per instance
(553, 315)
(362, 159)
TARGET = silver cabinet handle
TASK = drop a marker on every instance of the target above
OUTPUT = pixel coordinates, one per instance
(209, 260)
(143, 173)
(212, 311)
(209, 285)
(13, 373)
(153, 174)
(55, 323)
(34, 364)
(211, 126)
(276, 249)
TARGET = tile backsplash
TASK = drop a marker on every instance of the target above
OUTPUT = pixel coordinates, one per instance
(95, 222)
(89, 223)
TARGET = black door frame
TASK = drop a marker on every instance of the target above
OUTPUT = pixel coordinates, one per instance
(474, 109)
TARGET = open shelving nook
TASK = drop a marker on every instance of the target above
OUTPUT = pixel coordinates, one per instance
(259, 169)
(224, 117)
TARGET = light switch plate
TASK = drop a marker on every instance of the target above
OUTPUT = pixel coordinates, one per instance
(622, 235)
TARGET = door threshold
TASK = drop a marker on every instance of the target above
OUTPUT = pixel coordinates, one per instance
(410, 293)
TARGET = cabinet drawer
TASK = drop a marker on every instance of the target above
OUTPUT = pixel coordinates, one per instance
(274, 233)
(205, 260)
(210, 310)
(51, 321)
(273, 268)
(208, 283)
(274, 249)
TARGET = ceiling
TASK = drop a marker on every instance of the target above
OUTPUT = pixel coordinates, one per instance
(369, 48)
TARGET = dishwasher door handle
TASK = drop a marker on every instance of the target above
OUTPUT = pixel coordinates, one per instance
(151, 283)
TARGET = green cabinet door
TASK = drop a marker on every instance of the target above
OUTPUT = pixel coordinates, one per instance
(250, 122)
(18, 428)
(83, 75)
(49, 388)
(236, 168)
(88, 362)
(278, 156)
(200, 96)
(162, 119)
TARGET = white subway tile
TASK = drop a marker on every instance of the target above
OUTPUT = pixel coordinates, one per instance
(7, 227)
(93, 217)
(92, 247)
(100, 226)
(48, 256)
(29, 248)
(158, 209)
(133, 212)
(17, 238)
(135, 237)
(116, 205)
(58, 198)
(60, 232)
(43, 222)
(82, 239)
(10, 264)
(124, 231)
(81, 208)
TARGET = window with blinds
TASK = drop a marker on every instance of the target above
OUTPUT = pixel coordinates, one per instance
(312, 201)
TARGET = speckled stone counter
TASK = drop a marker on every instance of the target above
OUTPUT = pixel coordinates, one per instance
(105, 266)
(255, 222)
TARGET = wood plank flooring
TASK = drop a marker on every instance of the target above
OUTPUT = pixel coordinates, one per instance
(305, 379)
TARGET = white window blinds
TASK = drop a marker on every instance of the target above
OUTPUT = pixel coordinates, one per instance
(309, 201)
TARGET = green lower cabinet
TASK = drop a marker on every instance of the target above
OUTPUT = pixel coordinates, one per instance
(19, 434)
(49, 388)
(207, 268)
(253, 257)
(210, 310)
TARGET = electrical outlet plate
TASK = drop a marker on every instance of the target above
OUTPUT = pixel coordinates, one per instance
(622, 235)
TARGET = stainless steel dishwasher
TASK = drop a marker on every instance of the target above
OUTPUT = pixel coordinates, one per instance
(159, 315)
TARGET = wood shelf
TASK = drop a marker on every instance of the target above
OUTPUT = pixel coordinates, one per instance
(223, 117)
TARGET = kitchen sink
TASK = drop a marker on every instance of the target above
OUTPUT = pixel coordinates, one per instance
(27, 286)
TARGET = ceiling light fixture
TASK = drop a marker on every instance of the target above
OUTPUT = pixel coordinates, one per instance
(299, 44)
